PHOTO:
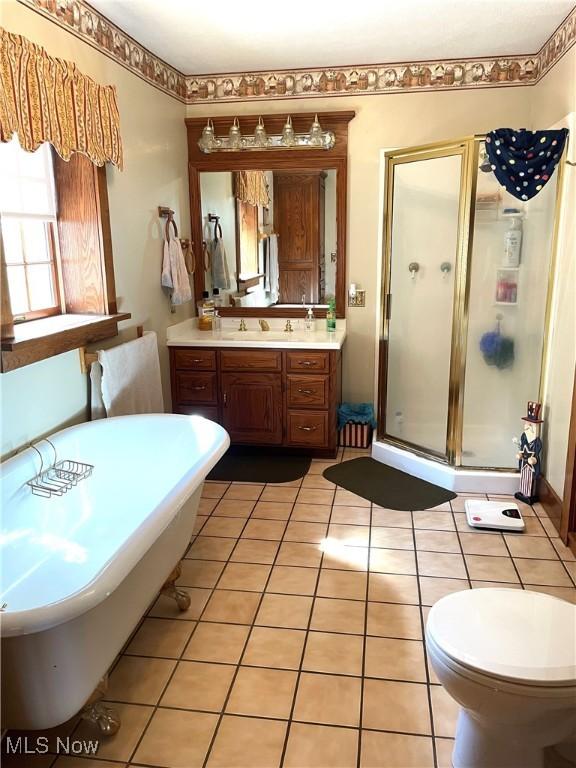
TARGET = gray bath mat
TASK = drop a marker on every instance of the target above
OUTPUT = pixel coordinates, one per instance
(259, 465)
(386, 486)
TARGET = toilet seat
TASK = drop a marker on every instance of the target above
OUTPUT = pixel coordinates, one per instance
(519, 638)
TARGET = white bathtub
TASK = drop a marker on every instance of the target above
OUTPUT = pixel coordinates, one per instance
(79, 571)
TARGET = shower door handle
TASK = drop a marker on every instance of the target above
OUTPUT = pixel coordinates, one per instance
(388, 306)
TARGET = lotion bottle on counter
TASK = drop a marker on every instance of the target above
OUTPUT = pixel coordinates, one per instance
(331, 316)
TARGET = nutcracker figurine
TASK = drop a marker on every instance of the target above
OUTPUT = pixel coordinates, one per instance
(530, 449)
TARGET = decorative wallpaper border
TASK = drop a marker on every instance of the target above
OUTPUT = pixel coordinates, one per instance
(558, 44)
(91, 26)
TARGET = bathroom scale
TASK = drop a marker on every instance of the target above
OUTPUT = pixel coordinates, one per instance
(501, 515)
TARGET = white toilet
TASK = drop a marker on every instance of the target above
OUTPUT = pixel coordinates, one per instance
(508, 657)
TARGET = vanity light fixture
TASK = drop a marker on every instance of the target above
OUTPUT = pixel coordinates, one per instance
(316, 138)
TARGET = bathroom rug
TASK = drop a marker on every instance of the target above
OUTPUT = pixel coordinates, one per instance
(259, 465)
(386, 486)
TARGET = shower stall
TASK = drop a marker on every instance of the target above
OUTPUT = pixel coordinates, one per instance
(467, 286)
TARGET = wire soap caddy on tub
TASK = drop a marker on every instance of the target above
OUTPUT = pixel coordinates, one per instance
(60, 476)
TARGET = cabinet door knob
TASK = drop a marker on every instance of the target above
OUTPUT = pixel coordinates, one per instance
(307, 429)
(306, 391)
(196, 359)
(225, 398)
(307, 362)
(200, 387)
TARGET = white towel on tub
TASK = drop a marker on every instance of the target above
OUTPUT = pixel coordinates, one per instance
(128, 380)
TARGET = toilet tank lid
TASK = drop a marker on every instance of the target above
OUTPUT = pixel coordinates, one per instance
(522, 636)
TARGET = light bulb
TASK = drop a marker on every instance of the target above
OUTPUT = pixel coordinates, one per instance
(288, 137)
(206, 141)
(316, 133)
(260, 135)
(234, 135)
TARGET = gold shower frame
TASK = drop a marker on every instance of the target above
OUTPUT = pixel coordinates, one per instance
(468, 149)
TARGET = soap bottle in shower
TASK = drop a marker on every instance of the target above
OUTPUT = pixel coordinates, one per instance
(512, 239)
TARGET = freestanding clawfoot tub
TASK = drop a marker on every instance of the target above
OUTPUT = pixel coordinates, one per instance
(79, 570)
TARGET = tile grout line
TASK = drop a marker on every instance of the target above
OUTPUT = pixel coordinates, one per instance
(363, 676)
(251, 626)
(304, 645)
(461, 548)
(165, 688)
(549, 538)
(422, 630)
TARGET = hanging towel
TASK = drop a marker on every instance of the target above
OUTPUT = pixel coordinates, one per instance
(174, 272)
(272, 279)
(219, 262)
(97, 409)
(129, 379)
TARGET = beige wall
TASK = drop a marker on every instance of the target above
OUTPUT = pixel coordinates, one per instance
(554, 105)
(38, 399)
(381, 122)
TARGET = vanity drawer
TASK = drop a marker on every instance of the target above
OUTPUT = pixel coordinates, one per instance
(250, 360)
(195, 359)
(196, 388)
(307, 391)
(315, 362)
(307, 428)
(207, 411)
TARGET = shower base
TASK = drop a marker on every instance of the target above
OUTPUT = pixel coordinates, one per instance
(453, 478)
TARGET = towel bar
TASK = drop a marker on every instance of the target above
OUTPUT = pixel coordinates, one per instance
(87, 358)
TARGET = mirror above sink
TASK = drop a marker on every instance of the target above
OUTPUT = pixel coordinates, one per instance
(270, 236)
(269, 226)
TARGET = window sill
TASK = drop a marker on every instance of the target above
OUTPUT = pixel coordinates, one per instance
(39, 339)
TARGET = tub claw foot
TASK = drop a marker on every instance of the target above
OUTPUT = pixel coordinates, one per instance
(102, 717)
(170, 589)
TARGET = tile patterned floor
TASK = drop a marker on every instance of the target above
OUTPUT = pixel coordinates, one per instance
(303, 646)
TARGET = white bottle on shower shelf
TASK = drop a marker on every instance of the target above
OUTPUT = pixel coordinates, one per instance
(512, 240)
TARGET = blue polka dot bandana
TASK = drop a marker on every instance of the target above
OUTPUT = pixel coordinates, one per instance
(524, 161)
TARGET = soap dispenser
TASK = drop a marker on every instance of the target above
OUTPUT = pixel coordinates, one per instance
(309, 320)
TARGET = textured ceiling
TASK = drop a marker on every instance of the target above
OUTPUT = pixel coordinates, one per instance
(235, 36)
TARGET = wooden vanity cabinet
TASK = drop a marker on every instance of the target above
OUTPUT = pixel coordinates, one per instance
(262, 396)
(252, 407)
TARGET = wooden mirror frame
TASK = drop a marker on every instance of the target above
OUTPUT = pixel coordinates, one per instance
(266, 160)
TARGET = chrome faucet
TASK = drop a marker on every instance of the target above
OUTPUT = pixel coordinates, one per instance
(264, 325)
(288, 328)
(242, 326)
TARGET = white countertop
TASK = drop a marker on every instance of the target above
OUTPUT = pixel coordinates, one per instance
(186, 334)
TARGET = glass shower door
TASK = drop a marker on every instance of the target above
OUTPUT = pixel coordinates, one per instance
(422, 256)
(506, 317)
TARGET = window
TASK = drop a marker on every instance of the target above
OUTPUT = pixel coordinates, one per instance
(29, 230)
(57, 287)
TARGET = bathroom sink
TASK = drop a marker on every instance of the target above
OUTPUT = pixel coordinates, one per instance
(268, 336)
(186, 334)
